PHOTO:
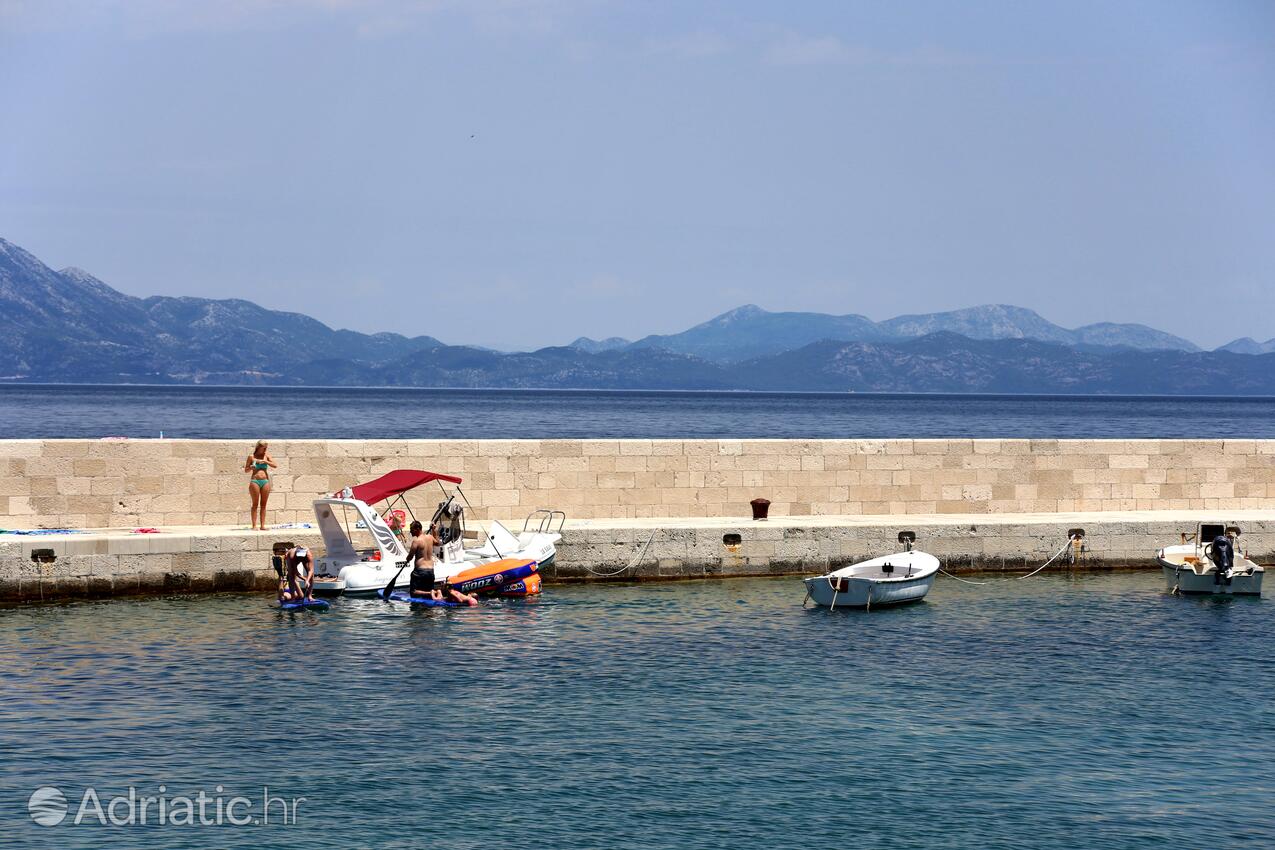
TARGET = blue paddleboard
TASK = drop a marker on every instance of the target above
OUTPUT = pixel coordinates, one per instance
(422, 601)
(313, 605)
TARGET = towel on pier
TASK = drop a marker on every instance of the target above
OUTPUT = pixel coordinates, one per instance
(37, 531)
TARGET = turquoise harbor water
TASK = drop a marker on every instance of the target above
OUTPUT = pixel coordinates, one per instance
(1063, 711)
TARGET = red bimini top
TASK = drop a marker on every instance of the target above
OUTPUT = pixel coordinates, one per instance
(399, 481)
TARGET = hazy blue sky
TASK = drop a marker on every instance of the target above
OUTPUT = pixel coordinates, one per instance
(515, 173)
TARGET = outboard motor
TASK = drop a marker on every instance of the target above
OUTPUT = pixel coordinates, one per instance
(1222, 554)
(451, 523)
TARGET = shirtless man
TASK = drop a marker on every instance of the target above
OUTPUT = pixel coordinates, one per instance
(422, 551)
(300, 565)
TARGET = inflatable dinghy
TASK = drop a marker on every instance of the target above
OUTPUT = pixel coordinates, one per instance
(302, 605)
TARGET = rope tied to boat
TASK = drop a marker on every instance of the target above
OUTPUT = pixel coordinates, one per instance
(1070, 542)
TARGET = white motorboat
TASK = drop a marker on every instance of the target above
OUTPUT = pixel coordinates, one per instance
(1210, 562)
(347, 569)
(891, 579)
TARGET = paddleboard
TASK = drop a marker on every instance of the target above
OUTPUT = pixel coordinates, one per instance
(302, 605)
(422, 601)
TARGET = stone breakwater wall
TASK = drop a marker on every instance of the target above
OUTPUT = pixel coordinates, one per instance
(1001, 543)
(126, 483)
(200, 560)
(43, 568)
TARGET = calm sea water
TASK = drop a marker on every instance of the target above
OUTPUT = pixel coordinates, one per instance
(1059, 712)
(252, 412)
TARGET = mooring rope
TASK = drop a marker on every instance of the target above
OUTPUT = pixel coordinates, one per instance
(630, 565)
(1070, 541)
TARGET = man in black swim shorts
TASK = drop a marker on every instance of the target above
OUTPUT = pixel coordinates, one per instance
(299, 562)
(422, 550)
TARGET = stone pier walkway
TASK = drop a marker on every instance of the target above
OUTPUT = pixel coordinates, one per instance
(106, 562)
(809, 544)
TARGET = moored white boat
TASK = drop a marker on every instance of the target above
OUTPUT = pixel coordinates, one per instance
(887, 580)
(344, 569)
(1210, 563)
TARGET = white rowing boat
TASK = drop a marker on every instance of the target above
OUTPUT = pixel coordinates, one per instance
(1210, 563)
(887, 580)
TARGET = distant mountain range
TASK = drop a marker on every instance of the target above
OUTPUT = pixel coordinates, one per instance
(750, 331)
(68, 326)
(1248, 345)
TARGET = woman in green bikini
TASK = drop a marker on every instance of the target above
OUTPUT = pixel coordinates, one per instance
(258, 466)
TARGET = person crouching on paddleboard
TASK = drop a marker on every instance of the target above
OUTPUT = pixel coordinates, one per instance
(285, 585)
(300, 563)
(422, 550)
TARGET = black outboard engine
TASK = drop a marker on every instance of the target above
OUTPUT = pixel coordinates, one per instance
(1222, 554)
(451, 522)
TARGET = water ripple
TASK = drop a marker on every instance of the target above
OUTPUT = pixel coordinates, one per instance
(1061, 712)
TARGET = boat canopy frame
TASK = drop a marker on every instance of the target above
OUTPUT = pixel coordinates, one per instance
(393, 486)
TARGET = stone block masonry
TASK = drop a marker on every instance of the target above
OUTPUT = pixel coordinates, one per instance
(1011, 543)
(205, 559)
(125, 483)
(119, 563)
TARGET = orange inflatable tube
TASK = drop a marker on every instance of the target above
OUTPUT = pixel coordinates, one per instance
(486, 579)
(529, 586)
